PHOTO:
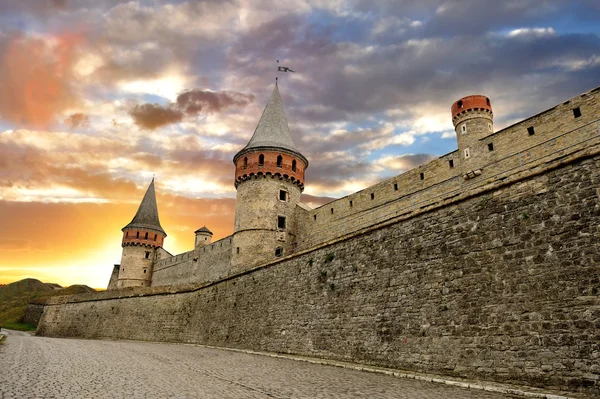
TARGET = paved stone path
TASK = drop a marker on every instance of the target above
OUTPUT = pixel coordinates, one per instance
(37, 367)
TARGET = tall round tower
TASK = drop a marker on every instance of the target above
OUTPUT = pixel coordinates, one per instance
(473, 119)
(269, 178)
(142, 239)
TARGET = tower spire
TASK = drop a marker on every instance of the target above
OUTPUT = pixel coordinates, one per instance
(272, 131)
(146, 216)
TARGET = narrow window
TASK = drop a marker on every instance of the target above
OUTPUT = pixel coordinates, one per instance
(137, 234)
(127, 234)
(146, 236)
(261, 160)
(490, 127)
(147, 255)
(422, 175)
(155, 235)
(464, 128)
(281, 222)
(467, 153)
(451, 163)
(123, 269)
(205, 238)
(282, 195)
(372, 196)
(145, 271)
(142, 283)
(332, 211)
(246, 163)
(351, 204)
(577, 112)
(279, 161)
(460, 104)
(487, 100)
(315, 217)
(490, 146)
(395, 186)
(294, 165)
(238, 250)
(530, 130)
(278, 252)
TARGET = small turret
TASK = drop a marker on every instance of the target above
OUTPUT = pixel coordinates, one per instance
(473, 120)
(203, 236)
(141, 239)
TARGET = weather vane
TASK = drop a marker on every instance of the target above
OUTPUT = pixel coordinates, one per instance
(282, 69)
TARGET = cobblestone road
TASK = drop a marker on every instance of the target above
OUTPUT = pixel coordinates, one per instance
(36, 367)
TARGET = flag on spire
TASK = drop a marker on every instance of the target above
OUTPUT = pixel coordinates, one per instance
(283, 69)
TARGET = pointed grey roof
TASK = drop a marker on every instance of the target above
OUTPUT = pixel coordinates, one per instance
(203, 229)
(272, 130)
(147, 214)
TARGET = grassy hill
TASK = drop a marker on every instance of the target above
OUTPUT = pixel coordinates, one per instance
(14, 298)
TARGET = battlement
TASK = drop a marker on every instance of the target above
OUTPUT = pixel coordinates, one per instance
(143, 237)
(525, 147)
(470, 103)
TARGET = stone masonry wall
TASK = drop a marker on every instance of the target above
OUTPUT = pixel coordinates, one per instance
(504, 285)
(556, 132)
(205, 263)
(33, 313)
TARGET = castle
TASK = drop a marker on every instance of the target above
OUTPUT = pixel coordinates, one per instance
(271, 222)
(483, 263)
(269, 178)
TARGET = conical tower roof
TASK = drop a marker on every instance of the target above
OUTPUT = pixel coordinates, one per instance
(203, 229)
(272, 130)
(147, 214)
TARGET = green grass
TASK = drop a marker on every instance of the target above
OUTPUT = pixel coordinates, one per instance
(14, 298)
(18, 326)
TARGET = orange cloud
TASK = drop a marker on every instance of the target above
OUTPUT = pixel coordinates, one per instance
(36, 76)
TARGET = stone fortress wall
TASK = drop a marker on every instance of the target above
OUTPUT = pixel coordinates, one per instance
(204, 263)
(514, 149)
(502, 286)
(495, 276)
(556, 132)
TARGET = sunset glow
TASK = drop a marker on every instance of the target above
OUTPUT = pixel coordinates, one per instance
(97, 97)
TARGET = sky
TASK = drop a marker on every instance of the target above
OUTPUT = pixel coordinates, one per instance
(99, 96)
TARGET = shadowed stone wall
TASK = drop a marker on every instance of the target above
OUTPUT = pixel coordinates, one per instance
(205, 263)
(504, 285)
(33, 313)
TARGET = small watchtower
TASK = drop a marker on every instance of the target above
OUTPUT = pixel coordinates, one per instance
(473, 120)
(203, 236)
(142, 238)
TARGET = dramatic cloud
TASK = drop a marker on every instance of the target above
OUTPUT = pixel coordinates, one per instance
(77, 120)
(405, 162)
(36, 77)
(87, 119)
(189, 103)
(151, 116)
